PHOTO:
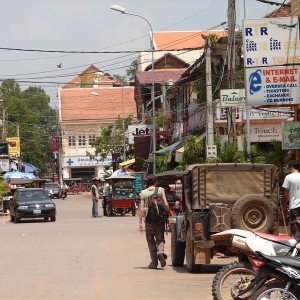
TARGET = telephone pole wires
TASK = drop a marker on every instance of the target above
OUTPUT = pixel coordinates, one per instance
(231, 118)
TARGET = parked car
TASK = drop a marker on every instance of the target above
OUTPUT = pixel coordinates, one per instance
(31, 203)
(53, 189)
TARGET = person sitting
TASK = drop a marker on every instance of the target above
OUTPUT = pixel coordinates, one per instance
(171, 195)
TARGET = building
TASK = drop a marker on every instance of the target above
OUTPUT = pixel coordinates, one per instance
(89, 102)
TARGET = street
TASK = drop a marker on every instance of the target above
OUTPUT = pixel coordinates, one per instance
(80, 257)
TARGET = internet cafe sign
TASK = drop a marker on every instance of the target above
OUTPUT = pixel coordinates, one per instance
(233, 97)
(273, 85)
(290, 135)
(138, 130)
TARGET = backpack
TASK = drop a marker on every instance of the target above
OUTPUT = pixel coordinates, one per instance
(156, 210)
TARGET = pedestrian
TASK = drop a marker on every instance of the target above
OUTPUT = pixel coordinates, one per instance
(95, 199)
(155, 232)
(291, 197)
(106, 196)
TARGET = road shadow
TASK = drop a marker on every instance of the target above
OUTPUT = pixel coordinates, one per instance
(29, 221)
(205, 269)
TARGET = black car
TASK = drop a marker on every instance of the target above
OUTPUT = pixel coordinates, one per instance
(53, 189)
(32, 203)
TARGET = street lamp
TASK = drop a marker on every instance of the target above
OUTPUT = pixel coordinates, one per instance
(122, 10)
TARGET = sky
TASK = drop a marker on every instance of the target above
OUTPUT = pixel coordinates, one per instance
(90, 25)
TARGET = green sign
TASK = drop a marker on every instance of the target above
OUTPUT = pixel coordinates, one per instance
(124, 192)
(139, 184)
(290, 135)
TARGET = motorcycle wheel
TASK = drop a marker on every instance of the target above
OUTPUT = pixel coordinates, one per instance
(274, 290)
(133, 210)
(75, 191)
(231, 280)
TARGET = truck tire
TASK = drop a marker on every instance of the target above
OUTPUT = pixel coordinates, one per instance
(253, 212)
(189, 253)
(177, 249)
(232, 279)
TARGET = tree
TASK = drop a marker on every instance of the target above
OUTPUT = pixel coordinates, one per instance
(121, 78)
(111, 139)
(31, 111)
(132, 70)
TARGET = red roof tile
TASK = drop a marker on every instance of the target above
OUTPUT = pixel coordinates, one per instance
(174, 40)
(160, 76)
(89, 75)
(104, 105)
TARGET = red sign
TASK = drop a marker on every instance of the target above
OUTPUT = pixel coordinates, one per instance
(55, 144)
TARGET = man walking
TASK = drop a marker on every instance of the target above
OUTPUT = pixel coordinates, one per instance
(154, 231)
(291, 195)
(95, 198)
(106, 196)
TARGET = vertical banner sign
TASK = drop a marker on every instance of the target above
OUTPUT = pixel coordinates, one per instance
(271, 59)
(14, 146)
(290, 135)
(55, 144)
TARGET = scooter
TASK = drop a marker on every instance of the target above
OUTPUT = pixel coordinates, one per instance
(278, 277)
(235, 277)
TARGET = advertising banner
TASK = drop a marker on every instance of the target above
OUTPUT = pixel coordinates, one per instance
(271, 41)
(272, 85)
(136, 130)
(14, 146)
(290, 135)
(233, 97)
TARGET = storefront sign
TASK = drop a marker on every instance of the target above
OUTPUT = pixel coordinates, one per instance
(136, 130)
(269, 113)
(290, 135)
(271, 41)
(265, 132)
(272, 85)
(233, 97)
(84, 161)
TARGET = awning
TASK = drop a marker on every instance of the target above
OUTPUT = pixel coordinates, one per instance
(172, 147)
(127, 163)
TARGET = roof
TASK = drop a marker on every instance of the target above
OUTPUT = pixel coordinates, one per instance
(96, 104)
(160, 76)
(282, 11)
(89, 75)
(174, 40)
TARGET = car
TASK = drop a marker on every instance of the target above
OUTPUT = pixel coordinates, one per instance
(31, 203)
(53, 189)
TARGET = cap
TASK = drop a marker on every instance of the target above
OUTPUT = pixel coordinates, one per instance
(94, 179)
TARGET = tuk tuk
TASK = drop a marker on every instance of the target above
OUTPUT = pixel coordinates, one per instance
(171, 182)
(123, 194)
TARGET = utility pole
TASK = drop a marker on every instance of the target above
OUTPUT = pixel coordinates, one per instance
(209, 110)
(231, 120)
(18, 130)
(4, 124)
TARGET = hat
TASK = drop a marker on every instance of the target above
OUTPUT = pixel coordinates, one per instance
(94, 179)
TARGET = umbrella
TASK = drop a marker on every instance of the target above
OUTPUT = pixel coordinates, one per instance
(119, 172)
(17, 174)
(29, 168)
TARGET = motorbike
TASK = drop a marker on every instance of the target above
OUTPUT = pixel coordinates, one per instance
(64, 193)
(236, 276)
(278, 277)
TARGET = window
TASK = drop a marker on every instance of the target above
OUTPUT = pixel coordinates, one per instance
(71, 140)
(92, 138)
(81, 140)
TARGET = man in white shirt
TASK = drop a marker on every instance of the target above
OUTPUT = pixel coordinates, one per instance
(291, 197)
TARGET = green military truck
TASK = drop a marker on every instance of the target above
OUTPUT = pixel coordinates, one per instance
(217, 197)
